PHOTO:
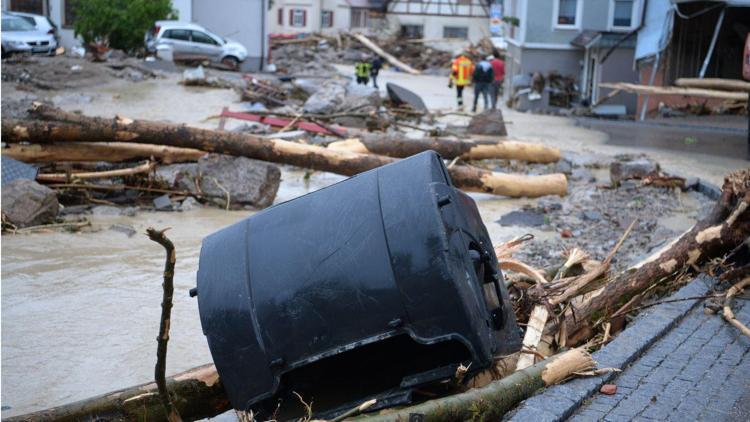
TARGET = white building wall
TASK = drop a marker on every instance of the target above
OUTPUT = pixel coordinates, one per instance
(433, 25)
(184, 9)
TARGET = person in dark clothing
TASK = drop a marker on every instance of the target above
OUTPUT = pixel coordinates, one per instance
(482, 78)
(375, 67)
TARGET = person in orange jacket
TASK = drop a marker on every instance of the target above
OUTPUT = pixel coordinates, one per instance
(461, 70)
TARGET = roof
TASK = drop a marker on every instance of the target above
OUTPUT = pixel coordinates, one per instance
(588, 39)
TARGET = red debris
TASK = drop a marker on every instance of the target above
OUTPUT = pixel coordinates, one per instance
(608, 389)
(278, 122)
(566, 233)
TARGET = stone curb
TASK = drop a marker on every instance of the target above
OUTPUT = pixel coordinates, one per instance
(559, 402)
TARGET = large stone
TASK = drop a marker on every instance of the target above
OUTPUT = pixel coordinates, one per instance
(631, 169)
(488, 123)
(27, 203)
(179, 176)
(327, 99)
(246, 181)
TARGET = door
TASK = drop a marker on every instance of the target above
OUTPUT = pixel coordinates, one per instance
(206, 45)
(179, 40)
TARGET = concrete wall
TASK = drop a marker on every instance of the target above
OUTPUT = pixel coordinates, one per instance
(619, 68)
(184, 9)
(241, 20)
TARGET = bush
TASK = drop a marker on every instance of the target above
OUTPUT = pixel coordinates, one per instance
(119, 24)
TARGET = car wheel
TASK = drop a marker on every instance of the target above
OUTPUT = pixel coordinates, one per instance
(231, 62)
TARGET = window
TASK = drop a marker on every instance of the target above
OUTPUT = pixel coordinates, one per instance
(360, 18)
(203, 38)
(280, 17)
(28, 6)
(177, 34)
(455, 32)
(566, 13)
(69, 15)
(297, 18)
(412, 31)
(326, 18)
(622, 16)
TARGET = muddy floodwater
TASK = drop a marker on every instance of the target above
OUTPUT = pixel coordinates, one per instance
(80, 310)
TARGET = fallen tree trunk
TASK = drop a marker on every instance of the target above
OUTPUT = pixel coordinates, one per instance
(448, 148)
(726, 226)
(714, 83)
(672, 90)
(99, 151)
(82, 128)
(494, 400)
(196, 393)
(382, 53)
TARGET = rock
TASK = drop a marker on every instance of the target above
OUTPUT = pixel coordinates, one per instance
(179, 176)
(564, 166)
(631, 169)
(327, 99)
(193, 75)
(592, 215)
(129, 211)
(488, 123)
(189, 203)
(127, 229)
(106, 211)
(582, 173)
(525, 218)
(163, 203)
(566, 233)
(247, 181)
(27, 203)
(308, 86)
(608, 389)
(135, 75)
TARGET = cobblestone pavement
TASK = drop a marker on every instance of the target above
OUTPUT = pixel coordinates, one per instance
(700, 370)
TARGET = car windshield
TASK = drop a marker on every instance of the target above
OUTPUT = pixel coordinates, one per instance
(15, 24)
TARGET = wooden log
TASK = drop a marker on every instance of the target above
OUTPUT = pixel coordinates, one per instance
(83, 128)
(671, 90)
(382, 53)
(714, 83)
(62, 177)
(723, 229)
(99, 151)
(490, 403)
(449, 148)
(197, 394)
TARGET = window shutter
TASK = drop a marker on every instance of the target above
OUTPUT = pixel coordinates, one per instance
(281, 16)
(330, 19)
(304, 18)
(291, 17)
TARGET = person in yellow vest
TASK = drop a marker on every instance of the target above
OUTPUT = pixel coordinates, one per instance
(362, 70)
(461, 70)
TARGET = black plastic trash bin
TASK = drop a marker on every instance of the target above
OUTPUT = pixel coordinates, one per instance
(375, 285)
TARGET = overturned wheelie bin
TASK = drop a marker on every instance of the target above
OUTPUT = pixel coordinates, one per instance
(370, 288)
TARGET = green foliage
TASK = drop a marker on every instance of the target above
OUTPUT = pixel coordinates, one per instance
(511, 20)
(119, 24)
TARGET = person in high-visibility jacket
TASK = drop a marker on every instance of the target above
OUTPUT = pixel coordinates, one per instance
(461, 70)
(362, 70)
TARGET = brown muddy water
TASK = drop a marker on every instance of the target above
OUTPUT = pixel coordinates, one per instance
(80, 310)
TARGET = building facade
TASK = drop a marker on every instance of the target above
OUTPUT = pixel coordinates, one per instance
(591, 41)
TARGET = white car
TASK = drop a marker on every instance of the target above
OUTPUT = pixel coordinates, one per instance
(21, 36)
(188, 40)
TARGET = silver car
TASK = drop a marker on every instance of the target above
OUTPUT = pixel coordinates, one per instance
(191, 41)
(20, 36)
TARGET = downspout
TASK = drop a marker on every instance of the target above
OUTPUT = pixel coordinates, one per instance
(711, 46)
(263, 35)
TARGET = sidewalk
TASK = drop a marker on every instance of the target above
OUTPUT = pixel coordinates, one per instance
(678, 364)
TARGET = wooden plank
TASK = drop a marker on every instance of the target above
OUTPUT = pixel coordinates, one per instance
(672, 90)
(714, 83)
(392, 60)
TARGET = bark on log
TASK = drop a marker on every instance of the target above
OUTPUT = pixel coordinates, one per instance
(379, 51)
(197, 394)
(726, 227)
(99, 151)
(714, 83)
(671, 90)
(82, 128)
(448, 148)
(492, 401)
